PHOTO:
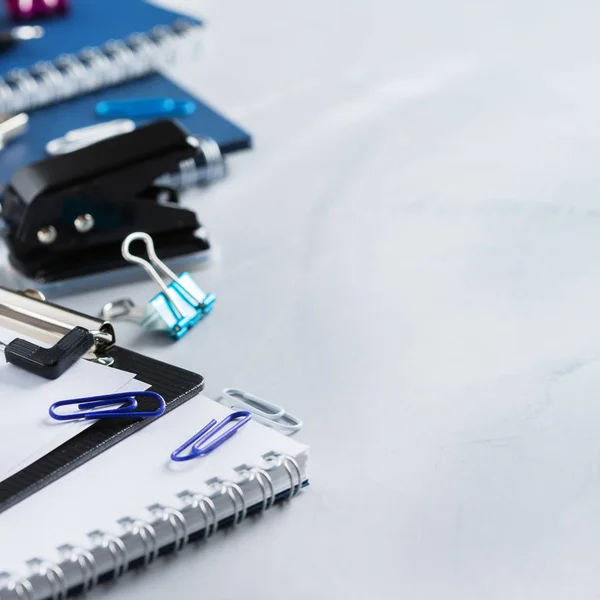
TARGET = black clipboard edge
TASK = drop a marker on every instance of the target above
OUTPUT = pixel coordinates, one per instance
(176, 385)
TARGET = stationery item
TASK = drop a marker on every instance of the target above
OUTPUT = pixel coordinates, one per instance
(192, 173)
(127, 410)
(25, 398)
(180, 305)
(189, 172)
(10, 37)
(91, 25)
(186, 502)
(76, 74)
(267, 413)
(68, 214)
(67, 431)
(49, 363)
(43, 322)
(86, 136)
(200, 444)
(29, 9)
(145, 108)
(12, 128)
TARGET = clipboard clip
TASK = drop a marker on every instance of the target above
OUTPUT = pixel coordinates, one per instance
(66, 331)
(179, 305)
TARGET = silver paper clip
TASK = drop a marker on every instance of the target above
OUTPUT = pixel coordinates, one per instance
(180, 304)
(269, 414)
(86, 136)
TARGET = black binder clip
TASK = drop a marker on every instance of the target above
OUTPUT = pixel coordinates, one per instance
(68, 215)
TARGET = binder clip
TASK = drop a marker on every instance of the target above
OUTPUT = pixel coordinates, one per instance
(179, 305)
(67, 215)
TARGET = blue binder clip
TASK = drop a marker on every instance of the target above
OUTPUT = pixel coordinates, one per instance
(179, 305)
(200, 444)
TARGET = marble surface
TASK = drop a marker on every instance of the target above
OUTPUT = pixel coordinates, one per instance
(406, 260)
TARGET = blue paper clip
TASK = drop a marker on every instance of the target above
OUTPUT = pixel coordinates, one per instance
(198, 443)
(126, 411)
(181, 304)
(145, 108)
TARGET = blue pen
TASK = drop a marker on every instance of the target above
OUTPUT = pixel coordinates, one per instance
(145, 107)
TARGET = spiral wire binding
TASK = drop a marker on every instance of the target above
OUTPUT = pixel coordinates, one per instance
(147, 534)
(90, 69)
(177, 521)
(235, 493)
(22, 587)
(285, 461)
(86, 562)
(54, 574)
(200, 501)
(116, 547)
(264, 480)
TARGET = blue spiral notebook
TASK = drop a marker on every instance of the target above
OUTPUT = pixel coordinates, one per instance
(92, 23)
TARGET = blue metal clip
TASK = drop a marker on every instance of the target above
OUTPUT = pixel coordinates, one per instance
(181, 304)
(145, 108)
(128, 399)
(198, 443)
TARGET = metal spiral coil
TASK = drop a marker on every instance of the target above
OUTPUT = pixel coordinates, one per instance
(291, 466)
(54, 575)
(177, 521)
(264, 481)
(90, 69)
(235, 493)
(86, 562)
(117, 550)
(200, 502)
(147, 534)
(259, 474)
(22, 588)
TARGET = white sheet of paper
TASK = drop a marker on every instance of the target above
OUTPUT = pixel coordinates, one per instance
(25, 398)
(71, 429)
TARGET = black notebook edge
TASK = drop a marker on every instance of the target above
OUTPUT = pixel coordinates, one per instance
(176, 385)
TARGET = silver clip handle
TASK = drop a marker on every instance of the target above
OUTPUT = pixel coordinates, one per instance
(148, 266)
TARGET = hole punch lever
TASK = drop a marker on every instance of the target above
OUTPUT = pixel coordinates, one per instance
(180, 304)
(49, 363)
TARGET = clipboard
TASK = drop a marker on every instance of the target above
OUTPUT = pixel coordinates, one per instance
(30, 314)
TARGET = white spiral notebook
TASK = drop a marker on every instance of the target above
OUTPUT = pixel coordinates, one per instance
(132, 504)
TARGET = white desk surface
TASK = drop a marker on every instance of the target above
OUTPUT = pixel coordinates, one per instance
(409, 262)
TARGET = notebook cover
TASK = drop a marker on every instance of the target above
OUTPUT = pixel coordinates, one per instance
(176, 385)
(92, 23)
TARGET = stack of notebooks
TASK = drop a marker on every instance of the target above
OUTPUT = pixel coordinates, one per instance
(47, 74)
